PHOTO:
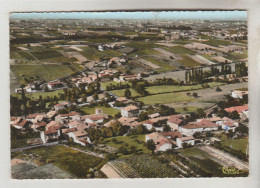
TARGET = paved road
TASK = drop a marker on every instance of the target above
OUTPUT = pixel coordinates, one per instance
(36, 146)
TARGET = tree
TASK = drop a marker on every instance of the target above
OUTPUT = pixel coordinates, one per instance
(166, 128)
(151, 145)
(218, 89)
(95, 96)
(127, 93)
(143, 116)
(234, 115)
(123, 150)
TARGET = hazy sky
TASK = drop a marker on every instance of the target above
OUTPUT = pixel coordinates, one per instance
(219, 15)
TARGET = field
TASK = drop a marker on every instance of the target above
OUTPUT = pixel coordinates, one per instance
(27, 73)
(148, 166)
(36, 96)
(48, 171)
(68, 159)
(121, 93)
(45, 54)
(203, 160)
(179, 50)
(92, 53)
(216, 43)
(239, 144)
(186, 61)
(130, 140)
(165, 98)
(106, 110)
(186, 110)
(105, 84)
(164, 67)
(173, 88)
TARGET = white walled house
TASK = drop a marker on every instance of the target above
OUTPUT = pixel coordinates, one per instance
(130, 111)
(199, 126)
(188, 140)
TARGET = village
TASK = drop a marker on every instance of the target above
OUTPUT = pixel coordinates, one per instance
(133, 104)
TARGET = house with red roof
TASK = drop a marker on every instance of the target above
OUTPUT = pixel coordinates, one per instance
(174, 123)
(62, 105)
(242, 110)
(20, 123)
(200, 125)
(54, 85)
(161, 142)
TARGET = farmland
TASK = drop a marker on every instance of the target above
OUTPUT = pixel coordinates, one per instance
(121, 93)
(179, 50)
(68, 159)
(147, 166)
(165, 98)
(216, 43)
(25, 73)
(174, 88)
(92, 53)
(187, 61)
(164, 67)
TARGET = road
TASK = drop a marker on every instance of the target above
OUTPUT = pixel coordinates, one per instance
(36, 146)
(227, 158)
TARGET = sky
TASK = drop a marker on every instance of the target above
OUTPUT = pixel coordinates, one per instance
(204, 15)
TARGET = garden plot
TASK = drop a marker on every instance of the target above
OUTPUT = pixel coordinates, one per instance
(74, 54)
(148, 63)
(23, 48)
(221, 59)
(202, 60)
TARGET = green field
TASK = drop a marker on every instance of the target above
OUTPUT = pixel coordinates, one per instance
(144, 52)
(179, 50)
(165, 98)
(130, 140)
(92, 53)
(239, 144)
(173, 88)
(106, 110)
(45, 54)
(42, 72)
(164, 67)
(216, 43)
(186, 110)
(203, 160)
(105, 84)
(121, 93)
(26, 55)
(68, 159)
(36, 96)
(187, 61)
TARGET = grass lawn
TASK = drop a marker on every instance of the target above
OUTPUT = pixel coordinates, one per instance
(163, 66)
(173, 88)
(186, 61)
(106, 110)
(239, 144)
(42, 72)
(165, 98)
(68, 159)
(36, 96)
(179, 50)
(121, 93)
(242, 89)
(186, 110)
(105, 84)
(130, 140)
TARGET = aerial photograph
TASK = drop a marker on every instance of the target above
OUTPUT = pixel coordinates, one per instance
(130, 94)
